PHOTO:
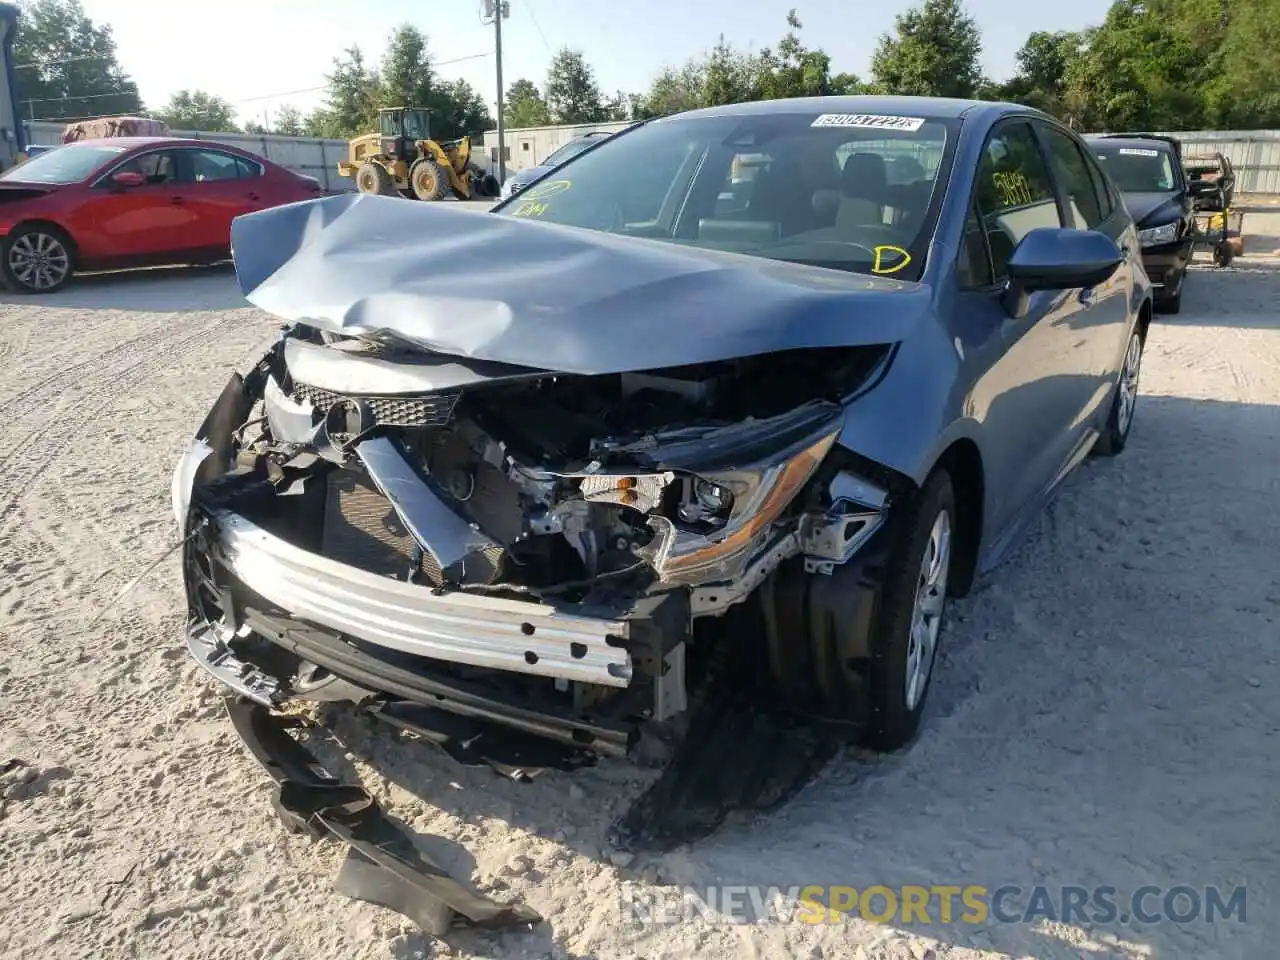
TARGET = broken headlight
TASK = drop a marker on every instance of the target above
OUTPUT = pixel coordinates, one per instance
(725, 516)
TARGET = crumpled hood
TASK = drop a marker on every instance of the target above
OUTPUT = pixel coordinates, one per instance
(1153, 209)
(510, 290)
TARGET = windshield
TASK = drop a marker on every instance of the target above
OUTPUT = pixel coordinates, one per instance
(1138, 169)
(845, 191)
(569, 150)
(69, 164)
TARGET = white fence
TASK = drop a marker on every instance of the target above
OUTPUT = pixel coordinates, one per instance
(314, 157)
(1254, 153)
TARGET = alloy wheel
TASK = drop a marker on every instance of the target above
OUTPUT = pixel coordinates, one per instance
(39, 261)
(926, 614)
(1128, 395)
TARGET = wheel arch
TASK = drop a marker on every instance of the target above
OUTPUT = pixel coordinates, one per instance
(1145, 313)
(963, 462)
(48, 224)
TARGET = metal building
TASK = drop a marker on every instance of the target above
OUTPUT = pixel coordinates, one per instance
(529, 146)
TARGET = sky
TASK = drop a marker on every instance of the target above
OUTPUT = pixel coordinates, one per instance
(263, 54)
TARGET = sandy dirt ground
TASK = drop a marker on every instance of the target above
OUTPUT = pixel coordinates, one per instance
(1107, 707)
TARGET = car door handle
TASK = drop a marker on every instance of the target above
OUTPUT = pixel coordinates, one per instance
(177, 201)
(254, 196)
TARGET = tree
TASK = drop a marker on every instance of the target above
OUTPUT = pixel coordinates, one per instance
(1044, 63)
(846, 84)
(524, 106)
(407, 74)
(66, 65)
(674, 90)
(1140, 68)
(1246, 91)
(197, 110)
(289, 121)
(793, 70)
(729, 76)
(620, 107)
(935, 53)
(573, 96)
(354, 92)
(457, 110)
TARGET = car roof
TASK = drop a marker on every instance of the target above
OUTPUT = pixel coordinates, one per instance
(1136, 140)
(942, 108)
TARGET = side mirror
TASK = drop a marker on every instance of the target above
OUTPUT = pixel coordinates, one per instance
(128, 178)
(1054, 258)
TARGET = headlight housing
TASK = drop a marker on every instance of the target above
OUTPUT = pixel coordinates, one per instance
(1154, 236)
(737, 509)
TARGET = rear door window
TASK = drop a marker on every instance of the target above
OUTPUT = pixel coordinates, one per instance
(1013, 191)
(1072, 174)
(157, 167)
(212, 165)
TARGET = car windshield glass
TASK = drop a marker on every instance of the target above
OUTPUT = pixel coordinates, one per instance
(847, 191)
(68, 164)
(571, 149)
(1138, 169)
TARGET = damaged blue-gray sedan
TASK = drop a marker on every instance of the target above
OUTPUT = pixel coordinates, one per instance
(747, 392)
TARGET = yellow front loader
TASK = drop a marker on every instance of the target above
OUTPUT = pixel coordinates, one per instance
(401, 158)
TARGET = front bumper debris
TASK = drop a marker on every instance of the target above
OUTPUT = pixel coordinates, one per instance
(411, 683)
(478, 630)
(383, 865)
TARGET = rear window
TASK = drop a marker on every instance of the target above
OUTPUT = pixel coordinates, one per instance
(850, 192)
(570, 149)
(1138, 169)
(69, 164)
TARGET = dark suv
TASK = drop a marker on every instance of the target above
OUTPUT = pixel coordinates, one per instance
(1147, 170)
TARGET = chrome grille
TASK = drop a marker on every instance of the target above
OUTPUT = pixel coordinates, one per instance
(435, 410)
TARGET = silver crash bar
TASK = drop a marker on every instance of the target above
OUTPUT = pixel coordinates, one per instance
(483, 631)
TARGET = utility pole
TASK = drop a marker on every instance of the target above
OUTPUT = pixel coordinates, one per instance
(498, 10)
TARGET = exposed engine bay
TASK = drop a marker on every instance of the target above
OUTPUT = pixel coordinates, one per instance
(572, 481)
(531, 548)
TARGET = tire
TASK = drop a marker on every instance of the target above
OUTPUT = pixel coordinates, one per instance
(1115, 434)
(1222, 255)
(428, 180)
(37, 258)
(373, 178)
(485, 185)
(1172, 304)
(904, 642)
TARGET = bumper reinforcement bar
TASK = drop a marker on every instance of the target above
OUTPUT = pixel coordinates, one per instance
(383, 865)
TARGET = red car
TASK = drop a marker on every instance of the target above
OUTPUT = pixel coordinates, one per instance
(131, 201)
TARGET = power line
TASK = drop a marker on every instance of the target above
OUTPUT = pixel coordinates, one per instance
(528, 8)
(85, 96)
(55, 63)
(325, 86)
(263, 96)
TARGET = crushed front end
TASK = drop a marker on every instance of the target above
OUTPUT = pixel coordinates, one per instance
(541, 553)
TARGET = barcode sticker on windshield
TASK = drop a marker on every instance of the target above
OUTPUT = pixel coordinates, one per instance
(1135, 152)
(870, 121)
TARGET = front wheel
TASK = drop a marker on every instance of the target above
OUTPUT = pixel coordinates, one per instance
(38, 259)
(374, 178)
(427, 180)
(1115, 434)
(904, 643)
(1172, 303)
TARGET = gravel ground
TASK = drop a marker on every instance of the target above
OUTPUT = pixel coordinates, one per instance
(1106, 710)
